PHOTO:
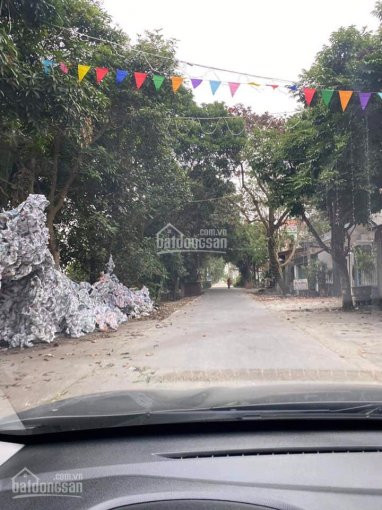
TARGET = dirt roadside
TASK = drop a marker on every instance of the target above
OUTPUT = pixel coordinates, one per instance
(48, 372)
(352, 335)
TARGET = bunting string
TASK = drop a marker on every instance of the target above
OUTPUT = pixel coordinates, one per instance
(139, 77)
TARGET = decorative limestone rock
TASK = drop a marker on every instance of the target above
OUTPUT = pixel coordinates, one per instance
(37, 301)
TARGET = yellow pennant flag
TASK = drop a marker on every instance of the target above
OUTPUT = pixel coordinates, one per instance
(176, 82)
(345, 96)
(82, 72)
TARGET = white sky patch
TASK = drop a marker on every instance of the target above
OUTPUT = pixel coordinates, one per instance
(275, 38)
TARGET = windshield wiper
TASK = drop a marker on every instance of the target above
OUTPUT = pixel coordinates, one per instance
(284, 411)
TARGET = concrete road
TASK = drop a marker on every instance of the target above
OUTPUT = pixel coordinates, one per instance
(227, 334)
(224, 337)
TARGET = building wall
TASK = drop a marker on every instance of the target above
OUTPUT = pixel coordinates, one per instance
(378, 246)
(360, 236)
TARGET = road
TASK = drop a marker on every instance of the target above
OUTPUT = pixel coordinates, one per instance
(224, 337)
(227, 334)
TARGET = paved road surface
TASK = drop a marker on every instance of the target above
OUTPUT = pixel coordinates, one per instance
(227, 333)
(223, 337)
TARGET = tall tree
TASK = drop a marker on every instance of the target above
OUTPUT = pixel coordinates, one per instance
(334, 155)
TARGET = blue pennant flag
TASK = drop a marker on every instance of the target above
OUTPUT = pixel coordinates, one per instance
(292, 87)
(120, 75)
(214, 85)
(47, 65)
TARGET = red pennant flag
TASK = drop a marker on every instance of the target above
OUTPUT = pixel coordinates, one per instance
(101, 72)
(64, 68)
(273, 86)
(309, 94)
(139, 79)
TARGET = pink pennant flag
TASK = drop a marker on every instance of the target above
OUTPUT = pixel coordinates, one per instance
(309, 94)
(233, 86)
(139, 79)
(101, 72)
(64, 68)
(273, 86)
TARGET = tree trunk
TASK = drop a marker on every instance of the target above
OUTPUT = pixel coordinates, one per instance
(274, 264)
(53, 246)
(347, 300)
(23, 182)
(340, 262)
(336, 279)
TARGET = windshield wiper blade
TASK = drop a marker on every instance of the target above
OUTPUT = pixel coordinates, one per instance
(302, 411)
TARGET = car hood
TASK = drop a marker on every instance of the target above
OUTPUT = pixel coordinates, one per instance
(148, 401)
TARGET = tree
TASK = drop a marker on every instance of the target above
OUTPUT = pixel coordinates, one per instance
(334, 155)
(261, 173)
(248, 249)
(209, 152)
(111, 159)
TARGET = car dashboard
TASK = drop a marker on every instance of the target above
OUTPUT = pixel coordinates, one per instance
(203, 469)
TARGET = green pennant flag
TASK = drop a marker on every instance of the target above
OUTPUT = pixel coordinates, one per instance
(327, 95)
(158, 81)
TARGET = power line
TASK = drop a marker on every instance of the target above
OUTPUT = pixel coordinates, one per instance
(185, 62)
(212, 198)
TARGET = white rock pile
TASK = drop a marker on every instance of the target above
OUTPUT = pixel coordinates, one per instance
(38, 301)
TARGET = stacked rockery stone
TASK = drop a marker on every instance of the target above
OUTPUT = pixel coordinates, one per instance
(38, 301)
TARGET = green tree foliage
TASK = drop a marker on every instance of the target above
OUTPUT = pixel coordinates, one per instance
(324, 159)
(247, 249)
(335, 156)
(111, 159)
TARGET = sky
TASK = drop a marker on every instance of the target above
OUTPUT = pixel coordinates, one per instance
(271, 38)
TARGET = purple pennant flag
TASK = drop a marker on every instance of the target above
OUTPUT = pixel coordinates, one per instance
(364, 98)
(195, 82)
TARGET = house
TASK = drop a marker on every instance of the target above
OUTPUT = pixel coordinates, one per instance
(311, 269)
(378, 250)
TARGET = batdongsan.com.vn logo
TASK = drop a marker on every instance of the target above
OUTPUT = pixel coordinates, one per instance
(209, 240)
(26, 484)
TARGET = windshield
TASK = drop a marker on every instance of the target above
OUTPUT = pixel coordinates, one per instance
(191, 208)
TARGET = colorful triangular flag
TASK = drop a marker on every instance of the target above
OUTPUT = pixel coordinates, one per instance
(101, 72)
(233, 86)
(273, 86)
(364, 98)
(176, 82)
(47, 65)
(120, 75)
(139, 79)
(345, 96)
(82, 71)
(195, 82)
(158, 81)
(254, 84)
(309, 94)
(64, 68)
(214, 84)
(292, 87)
(326, 95)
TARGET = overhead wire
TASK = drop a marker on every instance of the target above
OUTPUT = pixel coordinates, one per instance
(184, 62)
